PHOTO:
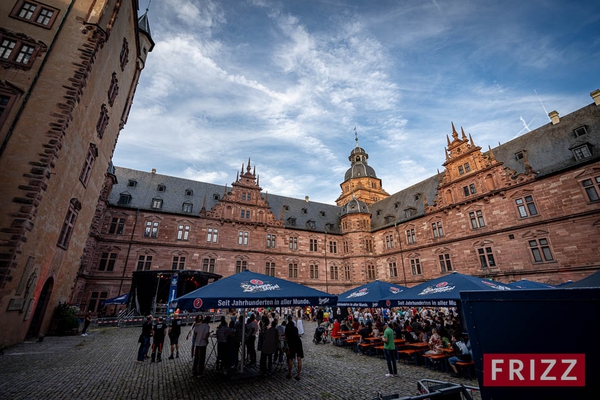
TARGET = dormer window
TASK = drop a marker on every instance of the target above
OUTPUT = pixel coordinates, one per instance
(322, 213)
(311, 224)
(124, 199)
(189, 192)
(132, 183)
(286, 208)
(389, 219)
(409, 212)
(304, 210)
(378, 212)
(582, 152)
(582, 130)
(216, 197)
(417, 196)
(519, 155)
(292, 221)
(187, 207)
(396, 205)
(157, 203)
(328, 226)
(161, 188)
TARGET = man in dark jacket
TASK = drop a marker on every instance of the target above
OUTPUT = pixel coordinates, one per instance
(159, 339)
(145, 338)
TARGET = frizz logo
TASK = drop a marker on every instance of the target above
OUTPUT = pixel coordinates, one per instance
(441, 284)
(534, 369)
(362, 292)
(256, 282)
(388, 303)
(395, 290)
(197, 303)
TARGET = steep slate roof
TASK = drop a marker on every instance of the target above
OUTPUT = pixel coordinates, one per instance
(548, 150)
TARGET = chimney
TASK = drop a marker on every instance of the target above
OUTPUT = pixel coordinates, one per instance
(153, 171)
(306, 198)
(554, 117)
(596, 96)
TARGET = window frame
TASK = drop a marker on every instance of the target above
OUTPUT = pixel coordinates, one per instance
(438, 229)
(208, 264)
(293, 243)
(178, 262)
(526, 207)
(486, 257)
(445, 263)
(68, 226)
(88, 164)
(102, 122)
(411, 237)
(151, 229)
(540, 250)
(393, 269)
(293, 270)
(592, 187)
(106, 262)
(15, 51)
(35, 15)
(270, 268)
(183, 232)
(313, 271)
(212, 235)
(477, 220)
(144, 262)
(371, 272)
(113, 89)
(271, 240)
(415, 266)
(116, 226)
(313, 245)
(243, 238)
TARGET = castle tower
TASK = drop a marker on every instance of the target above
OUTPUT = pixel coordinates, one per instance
(360, 180)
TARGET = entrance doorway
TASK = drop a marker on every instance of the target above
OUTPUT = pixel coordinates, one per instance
(40, 309)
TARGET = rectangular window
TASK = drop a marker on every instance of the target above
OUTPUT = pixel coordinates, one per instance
(467, 167)
(24, 54)
(88, 164)
(212, 235)
(157, 203)
(116, 226)
(415, 266)
(208, 265)
(369, 245)
(102, 121)
(6, 102)
(271, 240)
(466, 191)
(389, 242)
(476, 218)
(313, 245)
(526, 207)
(270, 268)
(245, 214)
(96, 299)
(333, 247)
(183, 232)
(241, 265)
(107, 262)
(592, 188)
(124, 199)
(68, 225)
(293, 243)
(371, 272)
(345, 246)
(35, 13)
(113, 89)
(243, 238)
(333, 273)
(445, 263)
(393, 270)
(437, 229)
(472, 188)
(7, 47)
(582, 152)
(486, 257)
(293, 270)
(124, 56)
(540, 249)
(178, 262)
(151, 229)
(314, 271)
(187, 207)
(144, 263)
(411, 238)
(347, 272)
(461, 170)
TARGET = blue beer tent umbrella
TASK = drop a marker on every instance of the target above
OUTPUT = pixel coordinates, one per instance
(526, 284)
(249, 290)
(591, 281)
(443, 291)
(371, 294)
(122, 299)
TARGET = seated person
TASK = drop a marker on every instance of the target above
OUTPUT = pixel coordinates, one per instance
(462, 353)
(336, 328)
(435, 343)
(345, 326)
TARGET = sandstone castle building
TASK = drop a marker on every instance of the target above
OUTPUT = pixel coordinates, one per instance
(75, 229)
(68, 74)
(529, 208)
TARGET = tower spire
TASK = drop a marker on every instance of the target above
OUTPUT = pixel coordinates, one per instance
(356, 136)
(454, 133)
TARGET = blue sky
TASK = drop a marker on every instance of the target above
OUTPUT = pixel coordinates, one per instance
(285, 82)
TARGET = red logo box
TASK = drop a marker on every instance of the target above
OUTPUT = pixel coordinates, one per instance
(534, 370)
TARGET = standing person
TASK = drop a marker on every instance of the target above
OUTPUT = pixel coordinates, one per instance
(192, 333)
(223, 333)
(174, 333)
(281, 345)
(270, 344)
(319, 316)
(159, 339)
(251, 330)
(300, 326)
(238, 340)
(86, 323)
(389, 349)
(295, 350)
(202, 332)
(145, 338)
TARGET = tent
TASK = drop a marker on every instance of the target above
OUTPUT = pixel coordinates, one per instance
(249, 290)
(122, 299)
(591, 281)
(526, 284)
(369, 295)
(443, 291)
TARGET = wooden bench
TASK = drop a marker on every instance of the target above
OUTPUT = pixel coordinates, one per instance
(467, 365)
(365, 346)
(440, 358)
(410, 353)
(379, 348)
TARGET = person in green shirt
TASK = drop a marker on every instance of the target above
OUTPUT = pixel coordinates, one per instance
(389, 349)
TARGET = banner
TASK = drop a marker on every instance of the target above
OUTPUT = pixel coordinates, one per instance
(172, 304)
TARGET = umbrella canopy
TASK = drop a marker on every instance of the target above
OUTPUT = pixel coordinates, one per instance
(443, 291)
(249, 289)
(525, 284)
(591, 281)
(371, 294)
(122, 299)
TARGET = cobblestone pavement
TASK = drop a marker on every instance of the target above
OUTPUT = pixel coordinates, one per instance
(102, 366)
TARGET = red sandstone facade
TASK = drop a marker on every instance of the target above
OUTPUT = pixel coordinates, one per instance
(526, 209)
(68, 74)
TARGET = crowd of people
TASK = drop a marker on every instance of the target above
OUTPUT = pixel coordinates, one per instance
(277, 333)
